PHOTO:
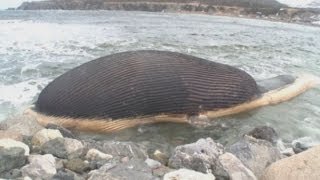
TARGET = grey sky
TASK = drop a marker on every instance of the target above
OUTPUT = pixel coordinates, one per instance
(4, 4)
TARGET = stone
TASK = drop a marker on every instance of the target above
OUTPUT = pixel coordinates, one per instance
(256, 154)
(187, 174)
(66, 174)
(153, 164)
(55, 147)
(65, 132)
(135, 169)
(41, 166)
(264, 132)
(303, 144)
(235, 168)
(118, 149)
(9, 143)
(63, 148)
(44, 136)
(96, 155)
(24, 125)
(11, 158)
(202, 156)
(304, 165)
(77, 165)
(11, 174)
(74, 147)
(161, 171)
(5, 134)
(161, 157)
(288, 152)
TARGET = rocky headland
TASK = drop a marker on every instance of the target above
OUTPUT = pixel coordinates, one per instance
(265, 9)
(30, 151)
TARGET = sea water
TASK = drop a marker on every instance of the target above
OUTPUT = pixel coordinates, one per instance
(38, 46)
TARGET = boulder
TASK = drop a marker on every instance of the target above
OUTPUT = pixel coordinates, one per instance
(65, 132)
(303, 144)
(9, 143)
(44, 136)
(24, 125)
(305, 165)
(153, 164)
(10, 158)
(202, 156)
(235, 168)
(65, 174)
(256, 154)
(77, 165)
(187, 174)
(40, 167)
(63, 148)
(264, 132)
(96, 155)
(11, 174)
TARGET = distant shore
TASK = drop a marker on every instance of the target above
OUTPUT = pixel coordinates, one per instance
(271, 11)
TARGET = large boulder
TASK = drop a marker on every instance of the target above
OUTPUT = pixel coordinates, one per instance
(187, 174)
(256, 154)
(202, 156)
(40, 167)
(10, 158)
(305, 165)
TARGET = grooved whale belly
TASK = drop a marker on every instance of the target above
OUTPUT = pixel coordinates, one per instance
(144, 83)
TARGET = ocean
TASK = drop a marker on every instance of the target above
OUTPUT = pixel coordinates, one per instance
(38, 46)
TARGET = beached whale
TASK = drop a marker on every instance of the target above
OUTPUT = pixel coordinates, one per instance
(139, 87)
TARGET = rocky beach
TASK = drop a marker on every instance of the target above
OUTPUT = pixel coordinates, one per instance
(30, 151)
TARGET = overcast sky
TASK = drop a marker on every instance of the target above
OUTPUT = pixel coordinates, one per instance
(4, 4)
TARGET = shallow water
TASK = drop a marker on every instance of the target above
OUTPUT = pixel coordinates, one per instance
(37, 46)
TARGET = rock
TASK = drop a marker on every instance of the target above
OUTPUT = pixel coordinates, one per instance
(202, 156)
(66, 174)
(118, 149)
(161, 171)
(55, 147)
(41, 166)
(44, 136)
(24, 125)
(304, 165)
(161, 157)
(256, 154)
(303, 144)
(63, 148)
(10, 158)
(264, 132)
(5, 134)
(96, 155)
(12, 174)
(153, 164)
(65, 132)
(135, 169)
(9, 143)
(235, 168)
(287, 152)
(77, 165)
(187, 174)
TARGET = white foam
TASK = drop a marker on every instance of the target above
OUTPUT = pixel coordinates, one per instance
(301, 3)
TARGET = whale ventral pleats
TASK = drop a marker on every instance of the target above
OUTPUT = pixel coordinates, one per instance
(143, 83)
